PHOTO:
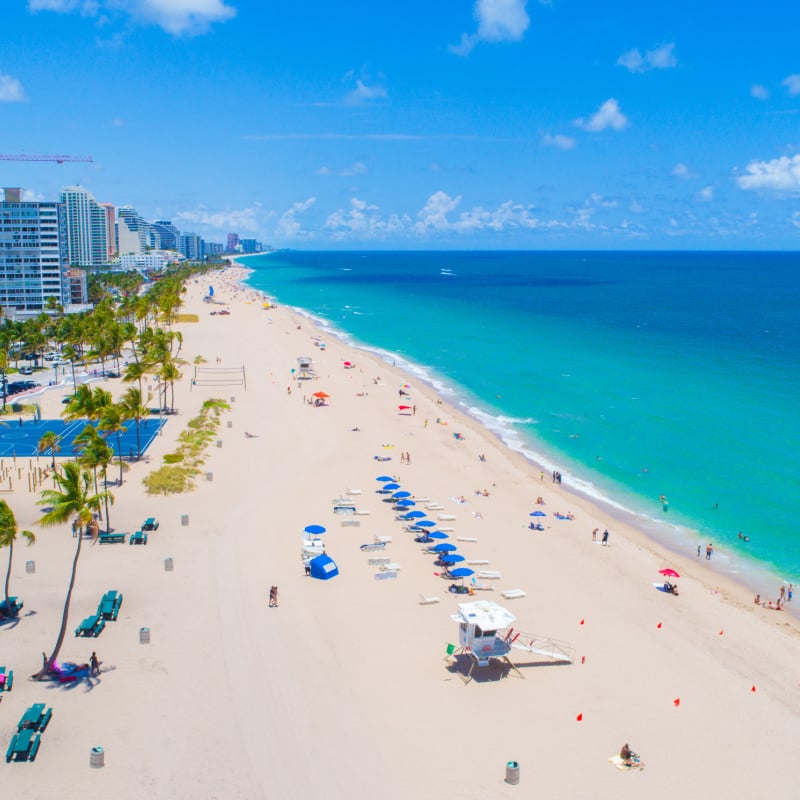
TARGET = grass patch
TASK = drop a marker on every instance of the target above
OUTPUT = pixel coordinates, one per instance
(186, 318)
(182, 467)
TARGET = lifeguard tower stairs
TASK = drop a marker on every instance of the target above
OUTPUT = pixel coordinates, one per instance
(486, 633)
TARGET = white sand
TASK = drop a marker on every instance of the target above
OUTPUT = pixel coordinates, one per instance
(342, 690)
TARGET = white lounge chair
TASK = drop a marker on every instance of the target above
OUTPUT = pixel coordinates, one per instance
(476, 561)
(353, 491)
(391, 567)
(466, 538)
(480, 587)
(489, 574)
(427, 601)
(435, 507)
(383, 539)
(513, 594)
(446, 517)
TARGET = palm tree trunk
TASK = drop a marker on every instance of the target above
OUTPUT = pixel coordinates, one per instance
(48, 663)
(138, 441)
(119, 457)
(105, 489)
(8, 576)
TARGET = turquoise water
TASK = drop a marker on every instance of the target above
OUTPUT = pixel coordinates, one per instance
(634, 374)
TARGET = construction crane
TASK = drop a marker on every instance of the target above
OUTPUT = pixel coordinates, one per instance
(57, 159)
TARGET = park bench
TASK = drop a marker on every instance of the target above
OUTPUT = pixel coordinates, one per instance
(111, 538)
(140, 537)
(91, 626)
(109, 605)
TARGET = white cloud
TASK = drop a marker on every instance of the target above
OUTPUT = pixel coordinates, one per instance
(795, 219)
(558, 140)
(780, 174)
(363, 221)
(706, 194)
(792, 84)
(683, 172)
(178, 17)
(29, 196)
(245, 219)
(636, 207)
(498, 21)
(759, 92)
(660, 58)
(607, 116)
(289, 227)
(11, 90)
(345, 172)
(364, 94)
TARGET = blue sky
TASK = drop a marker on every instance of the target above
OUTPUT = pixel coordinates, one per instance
(460, 124)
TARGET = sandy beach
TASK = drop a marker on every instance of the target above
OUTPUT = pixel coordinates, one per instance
(342, 690)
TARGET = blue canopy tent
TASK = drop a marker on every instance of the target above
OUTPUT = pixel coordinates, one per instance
(323, 567)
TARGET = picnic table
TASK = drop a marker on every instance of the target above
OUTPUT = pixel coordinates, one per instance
(91, 626)
(111, 538)
(13, 607)
(24, 745)
(150, 524)
(6, 679)
(140, 537)
(109, 605)
(35, 718)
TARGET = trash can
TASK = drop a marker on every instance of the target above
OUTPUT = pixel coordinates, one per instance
(219, 442)
(512, 773)
(209, 476)
(230, 423)
(169, 566)
(233, 399)
(97, 757)
(184, 520)
(30, 567)
(144, 635)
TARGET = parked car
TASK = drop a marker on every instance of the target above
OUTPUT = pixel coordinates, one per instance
(25, 371)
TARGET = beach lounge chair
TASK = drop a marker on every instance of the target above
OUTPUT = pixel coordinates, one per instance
(353, 491)
(475, 561)
(434, 507)
(489, 574)
(513, 594)
(385, 539)
(464, 538)
(480, 587)
(428, 601)
(6, 679)
(446, 517)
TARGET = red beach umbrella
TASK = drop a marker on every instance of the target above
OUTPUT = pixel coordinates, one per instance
(669, 573)
(404, 408)
(321, 395)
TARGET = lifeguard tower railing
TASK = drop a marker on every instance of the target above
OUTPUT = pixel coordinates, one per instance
(557, 650)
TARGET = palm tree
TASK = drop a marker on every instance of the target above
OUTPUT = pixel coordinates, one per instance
(49, 441)
(169, 373)
(111, 420)
(133, 408)
(72, 500)
(95, 454)
(8, 534)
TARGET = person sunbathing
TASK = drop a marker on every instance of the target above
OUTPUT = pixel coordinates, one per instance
(627, 755)
(670, 587)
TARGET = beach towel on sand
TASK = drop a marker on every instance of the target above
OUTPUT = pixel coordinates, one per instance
(620, 764)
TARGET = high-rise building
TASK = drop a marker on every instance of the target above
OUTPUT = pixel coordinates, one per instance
(87, 244)
(249, 245)
(33, 254)
(167, 234)
(133, 233)
(214, 248)
(233, 242)
(192, 246)
(111, 230)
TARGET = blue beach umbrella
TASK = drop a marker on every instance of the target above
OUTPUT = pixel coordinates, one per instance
(444, 547)
(401, 495)
(462, 572)
(437, 535)
(390, 487)
(405, 503)
(315, 530)
(538, 514)
(415, 514)
(425, 523)
(452, 559)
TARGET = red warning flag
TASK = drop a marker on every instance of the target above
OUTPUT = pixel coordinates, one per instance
(722, 632)
(752, 688)
(583, 659)
(582, 621)
(676, 702)
(579, 718)
(658, 626)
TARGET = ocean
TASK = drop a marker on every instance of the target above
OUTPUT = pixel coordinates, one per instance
(636, 374)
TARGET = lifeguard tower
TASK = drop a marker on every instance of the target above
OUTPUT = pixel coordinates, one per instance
(305, 369)
(485, 632)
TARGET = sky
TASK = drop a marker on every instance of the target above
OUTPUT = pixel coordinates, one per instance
(458, 124)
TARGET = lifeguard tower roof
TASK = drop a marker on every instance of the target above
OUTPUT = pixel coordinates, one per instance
(486, 614)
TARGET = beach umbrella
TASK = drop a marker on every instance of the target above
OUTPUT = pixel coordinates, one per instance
(314, 530)
(405, 503)
(452, 559)
(461, 572)
(384, 478)
(538, 514)
(403, 408)
(401, 494)
(390, 487)
(415, 514)
(347, 364)
(321, 395)
(437, 535)
(444, 547)
(425, 523)
(669, 573)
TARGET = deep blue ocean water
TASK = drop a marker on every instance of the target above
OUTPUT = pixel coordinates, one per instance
(634, 374)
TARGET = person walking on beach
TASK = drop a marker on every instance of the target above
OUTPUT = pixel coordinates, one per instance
(94, 665)
(709, 551)
(790, 592)
(273, 596)
(698, 550)
(605, 537)
(594, 534)
(782, 594)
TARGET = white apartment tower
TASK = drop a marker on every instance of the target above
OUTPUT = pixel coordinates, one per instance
(87, 243)
(33, 254)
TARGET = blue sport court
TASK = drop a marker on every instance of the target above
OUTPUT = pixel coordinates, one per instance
(21, 440)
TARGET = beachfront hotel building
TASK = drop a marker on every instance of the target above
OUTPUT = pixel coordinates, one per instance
(111, 230)
(33, 255)
(233, 242)
(166, 234)
(133, 233)
(192, 246)
(87, 242)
